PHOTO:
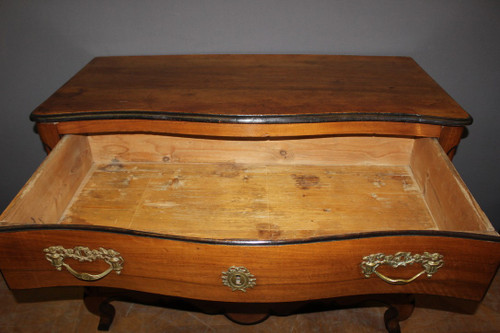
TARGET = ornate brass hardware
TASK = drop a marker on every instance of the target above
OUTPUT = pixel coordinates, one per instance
(56, 255)
(238, 278)
(430, 261)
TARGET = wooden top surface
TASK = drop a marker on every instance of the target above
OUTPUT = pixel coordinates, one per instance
(253, 89)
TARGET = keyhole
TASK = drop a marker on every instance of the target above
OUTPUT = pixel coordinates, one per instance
(237, 280)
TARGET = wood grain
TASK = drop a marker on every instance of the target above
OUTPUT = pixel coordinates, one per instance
(206, 191)
(252, 189)
(263, 169)
(51, 188)
(449, 139)
(305, 151)
(186, 128)
(450, 202)
(283, 272)
(225, 88)
(243, 201)
(49, 135)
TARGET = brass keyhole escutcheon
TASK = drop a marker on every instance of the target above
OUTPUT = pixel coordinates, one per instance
(238, 278)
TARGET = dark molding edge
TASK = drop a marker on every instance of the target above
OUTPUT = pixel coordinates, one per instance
(245, 242)
(250, 119)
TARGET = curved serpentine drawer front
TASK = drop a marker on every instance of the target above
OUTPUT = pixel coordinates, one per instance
(249, 221)
(276, 273)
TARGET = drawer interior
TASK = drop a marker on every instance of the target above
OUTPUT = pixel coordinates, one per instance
(248, 189)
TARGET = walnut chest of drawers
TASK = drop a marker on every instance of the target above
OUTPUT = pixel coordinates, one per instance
(250, 179)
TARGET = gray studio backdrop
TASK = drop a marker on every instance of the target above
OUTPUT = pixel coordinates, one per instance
(43, 43)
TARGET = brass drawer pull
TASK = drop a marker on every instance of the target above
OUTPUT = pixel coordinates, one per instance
(56, 255)
(238, 278)
(430, 261)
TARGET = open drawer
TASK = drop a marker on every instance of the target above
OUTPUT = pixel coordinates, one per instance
(280, 220)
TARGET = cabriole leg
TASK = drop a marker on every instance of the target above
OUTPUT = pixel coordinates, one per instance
(97, 302)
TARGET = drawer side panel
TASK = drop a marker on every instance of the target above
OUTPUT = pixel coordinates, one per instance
(51, 188)
(448, 199)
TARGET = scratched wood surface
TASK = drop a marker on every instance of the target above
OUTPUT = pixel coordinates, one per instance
(260, 85)
(248, 189)
(245, 201)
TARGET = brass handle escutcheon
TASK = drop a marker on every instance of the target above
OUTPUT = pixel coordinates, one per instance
(56, 255)
(431, 262)
(238, 278)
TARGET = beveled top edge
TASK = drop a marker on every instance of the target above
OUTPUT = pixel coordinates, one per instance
(252, 119)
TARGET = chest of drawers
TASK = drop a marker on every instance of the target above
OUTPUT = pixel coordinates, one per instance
(251, 179)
